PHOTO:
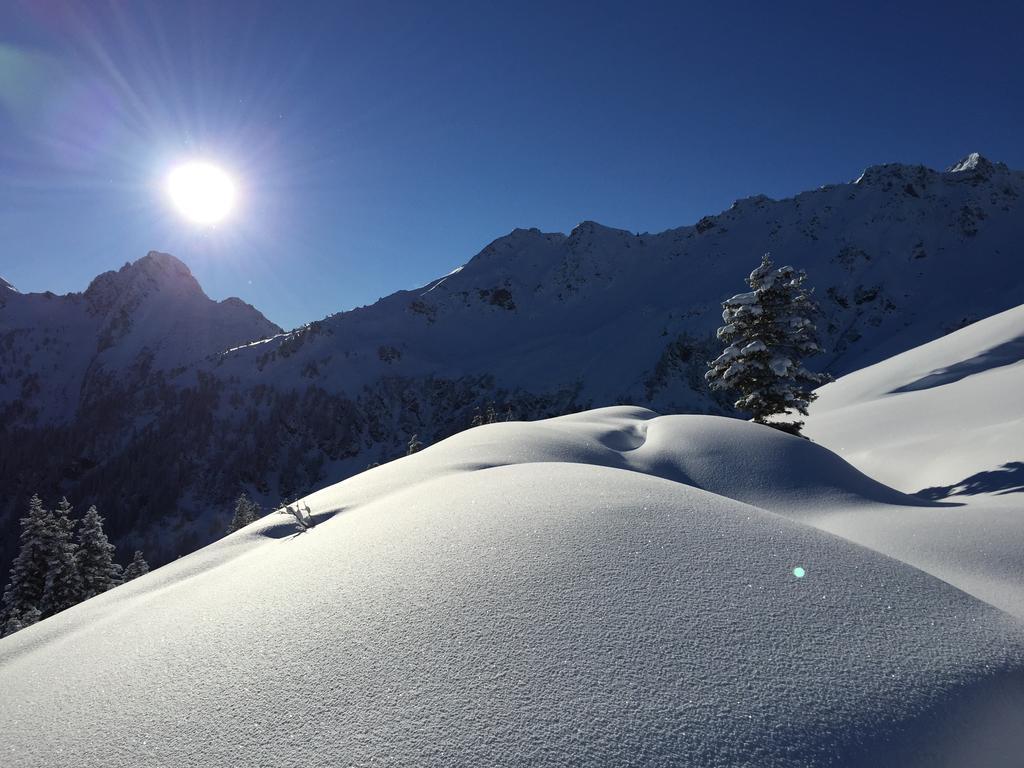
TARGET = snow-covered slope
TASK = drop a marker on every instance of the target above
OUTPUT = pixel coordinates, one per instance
(151, 315)
(946, 420)
(555, 593)
(935, 415)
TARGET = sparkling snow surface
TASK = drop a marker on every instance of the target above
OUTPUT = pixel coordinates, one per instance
(933, 415)
(947, 416)
(595, 589)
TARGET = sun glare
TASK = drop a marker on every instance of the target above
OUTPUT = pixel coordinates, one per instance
(202, 192)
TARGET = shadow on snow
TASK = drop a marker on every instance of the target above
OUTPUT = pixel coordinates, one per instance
(1006, 353)
(1007, 479)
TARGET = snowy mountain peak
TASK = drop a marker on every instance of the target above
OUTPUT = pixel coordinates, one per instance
(969, 163)
(975, 167)
(164, 269)
(6, 286)
(588, 228)
(519, 240)
(159, 261)
(591, 234)
(154, 272)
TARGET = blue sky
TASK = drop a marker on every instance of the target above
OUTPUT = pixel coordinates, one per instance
(380, 144)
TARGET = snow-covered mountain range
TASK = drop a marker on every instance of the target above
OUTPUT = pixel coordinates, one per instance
(145, 397)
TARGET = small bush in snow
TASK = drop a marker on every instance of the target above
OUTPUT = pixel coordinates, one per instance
(769, 331)
(302, 516)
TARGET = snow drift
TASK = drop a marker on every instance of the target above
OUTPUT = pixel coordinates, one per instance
(945, 420)
(552, 593)
(936, 414)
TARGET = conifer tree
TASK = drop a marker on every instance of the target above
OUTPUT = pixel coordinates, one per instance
(414, 445)
(96, 567)
(245, 513)
(769, 331)
(63, 586)
(137, 567)
(19, 621)
(24, 592)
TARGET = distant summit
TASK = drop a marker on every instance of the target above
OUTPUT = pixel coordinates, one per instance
(973, 166)
(135, 281)
(976, 167)
(972, 162)
(4, 285)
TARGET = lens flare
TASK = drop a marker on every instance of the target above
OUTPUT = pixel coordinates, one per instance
(799, 572)
(201, 191)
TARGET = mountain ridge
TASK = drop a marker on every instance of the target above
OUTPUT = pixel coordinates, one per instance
(605, 247)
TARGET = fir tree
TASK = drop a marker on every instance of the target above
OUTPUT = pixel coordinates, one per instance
(490, 416)
(63, 586)
(245, 513)
(19, 621)
(137, 567)
(96, 567)
(769, 332)
(27, 581)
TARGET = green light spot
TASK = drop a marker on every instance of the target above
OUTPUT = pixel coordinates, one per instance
(799, 572)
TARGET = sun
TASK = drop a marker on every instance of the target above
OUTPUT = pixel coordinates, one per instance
(201, 191)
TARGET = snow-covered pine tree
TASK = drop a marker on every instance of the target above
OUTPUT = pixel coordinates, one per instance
(96, 567)
(769, 332)
(137, 567)
(63, 585)
(490, 416)
(24, 592)
(245, 513)
(19, 621)
(414, 445)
